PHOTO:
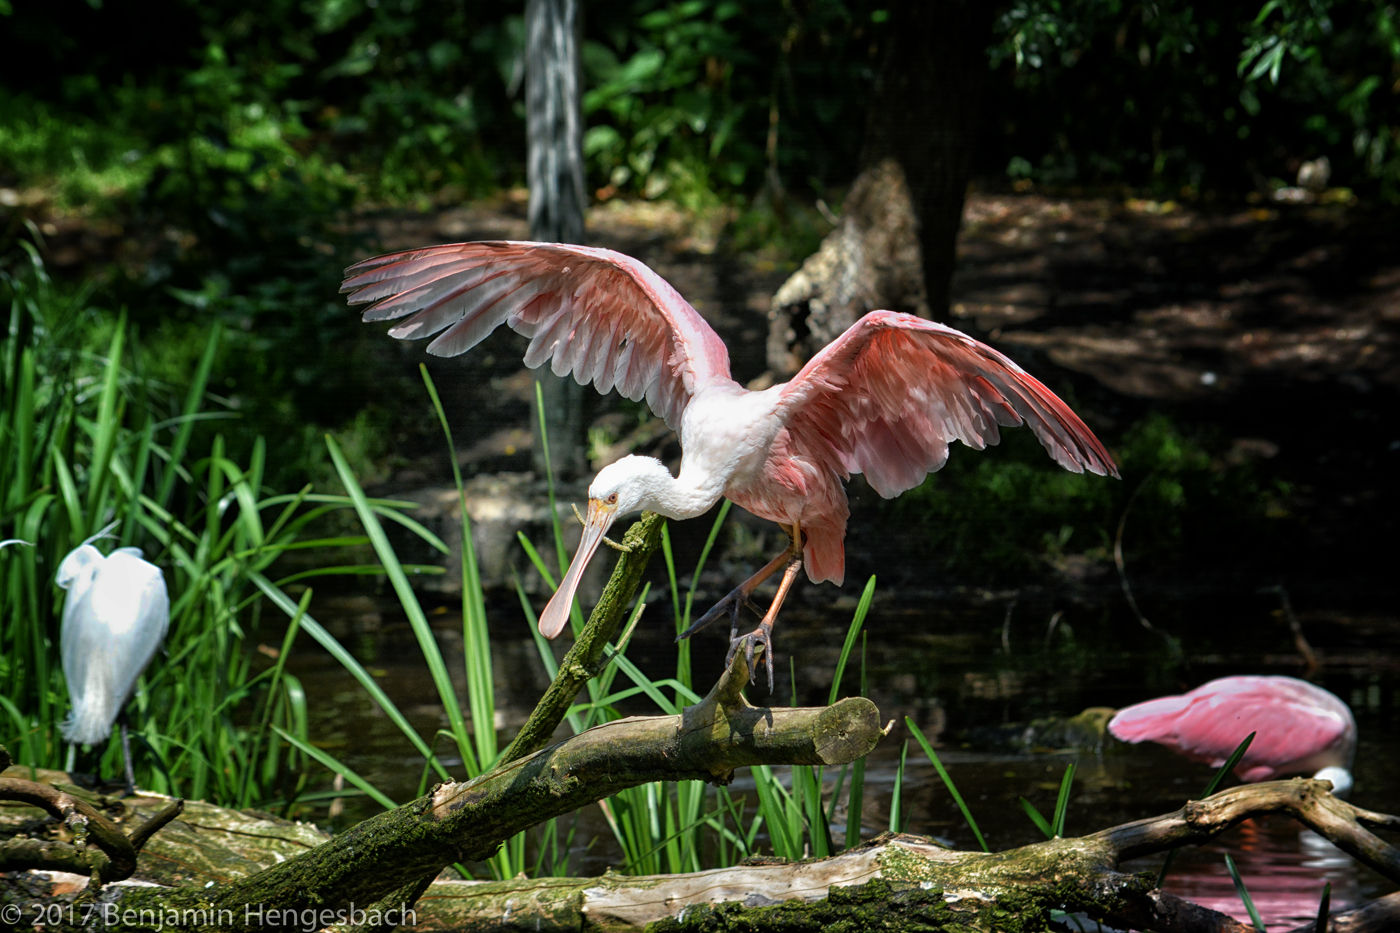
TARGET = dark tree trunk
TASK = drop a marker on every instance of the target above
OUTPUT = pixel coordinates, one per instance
(554, 173)
(895, 245)
(924, 114)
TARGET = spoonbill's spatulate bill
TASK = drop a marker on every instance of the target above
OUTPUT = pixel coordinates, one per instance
(1301, 728)
(114, 619)
(886, 398)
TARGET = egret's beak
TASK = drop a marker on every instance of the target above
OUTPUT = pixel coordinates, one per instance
(556, 614)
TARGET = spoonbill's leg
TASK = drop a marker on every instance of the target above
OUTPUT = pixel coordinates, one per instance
(739, 596)
(763, 635)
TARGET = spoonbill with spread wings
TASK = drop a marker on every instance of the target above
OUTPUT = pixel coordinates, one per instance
(884, 399)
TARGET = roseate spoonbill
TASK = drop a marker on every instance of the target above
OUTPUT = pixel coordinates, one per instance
(114, 619)
(884, 399)
(1301, 729)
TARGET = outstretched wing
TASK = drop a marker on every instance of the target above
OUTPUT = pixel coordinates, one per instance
(889, 395)
(605, 317)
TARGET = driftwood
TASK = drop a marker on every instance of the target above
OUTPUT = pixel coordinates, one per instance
(97, 847)
(907, 882)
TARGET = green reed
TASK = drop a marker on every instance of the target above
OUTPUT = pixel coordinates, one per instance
(89, 446)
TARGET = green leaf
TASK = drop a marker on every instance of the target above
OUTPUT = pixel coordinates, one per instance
(1039, 821)
(947, 781)
(1244, 894)
(1062, 802)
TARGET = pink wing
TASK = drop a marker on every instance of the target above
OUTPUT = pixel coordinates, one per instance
(889, 395)
(1293, 720)
(598, 314)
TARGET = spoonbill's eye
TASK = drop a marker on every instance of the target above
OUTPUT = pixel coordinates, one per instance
(612, 499)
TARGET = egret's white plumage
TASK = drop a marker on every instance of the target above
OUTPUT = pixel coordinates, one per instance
(114, 619)
(886, 398)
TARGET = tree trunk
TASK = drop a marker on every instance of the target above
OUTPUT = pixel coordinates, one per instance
(896, 244)
(554, 174)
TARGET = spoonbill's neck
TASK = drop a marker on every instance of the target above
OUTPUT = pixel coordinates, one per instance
(687, 496)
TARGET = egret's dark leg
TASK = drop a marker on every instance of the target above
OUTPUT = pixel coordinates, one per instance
(739, 597)
(763, 635)
(126, 754)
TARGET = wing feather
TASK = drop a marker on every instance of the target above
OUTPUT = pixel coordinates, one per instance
(888, 396)
(603, 317)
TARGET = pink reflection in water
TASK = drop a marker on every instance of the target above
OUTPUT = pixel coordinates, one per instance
(1282, 865)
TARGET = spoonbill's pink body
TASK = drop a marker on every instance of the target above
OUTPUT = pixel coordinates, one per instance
(884, 399)
(1300, 728)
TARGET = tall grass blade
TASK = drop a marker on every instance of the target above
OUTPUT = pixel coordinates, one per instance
(1244, 894)
(336, 767)
(857, 621)
(1229, 765)
(897, 819)
(1323, 909)
(427, 643)
(1211, 786)
(947, 782)
(356, 670)
(1062, 802)
(856, 801)
(549, 470)
(476, 641)
(1040, 822)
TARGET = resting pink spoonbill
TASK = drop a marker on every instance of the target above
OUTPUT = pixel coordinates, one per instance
(114, 619)
(1300, 728)
(886, 398)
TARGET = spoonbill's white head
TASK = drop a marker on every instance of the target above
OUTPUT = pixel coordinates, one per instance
(619, 489)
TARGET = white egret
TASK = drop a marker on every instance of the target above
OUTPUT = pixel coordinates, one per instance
(114, 619)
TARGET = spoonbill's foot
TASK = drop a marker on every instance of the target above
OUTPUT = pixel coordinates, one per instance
(730, 606)
(738, 597)
(760, 637)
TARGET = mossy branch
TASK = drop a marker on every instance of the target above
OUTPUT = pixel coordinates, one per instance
(585, 659)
